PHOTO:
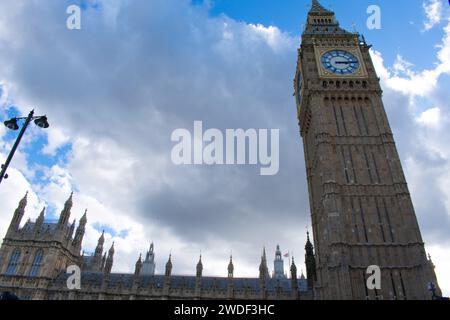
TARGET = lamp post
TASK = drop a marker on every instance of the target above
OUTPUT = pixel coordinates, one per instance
(432, 289)
(40, 121)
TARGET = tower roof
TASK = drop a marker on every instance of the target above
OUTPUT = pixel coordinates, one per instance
(169, 266)
(316, 7)
(70, 200)
(100, 243)
(230, 265)
(84, 218)
(199, 267)
(322, 21)
(139, 261)
(111, 250)
(41, 216)
(23, 201)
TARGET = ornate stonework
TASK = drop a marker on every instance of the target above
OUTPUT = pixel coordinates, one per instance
(34, 260)
(361, 209)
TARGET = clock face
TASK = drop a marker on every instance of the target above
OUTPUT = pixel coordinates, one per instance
(340, 62)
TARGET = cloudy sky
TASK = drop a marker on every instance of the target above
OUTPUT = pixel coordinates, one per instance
(115, 90)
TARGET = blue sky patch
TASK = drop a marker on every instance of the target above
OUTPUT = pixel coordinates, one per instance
(90, 4)
(393, 38)
(115, 234)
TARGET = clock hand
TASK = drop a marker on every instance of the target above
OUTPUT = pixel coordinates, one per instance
(345, 62)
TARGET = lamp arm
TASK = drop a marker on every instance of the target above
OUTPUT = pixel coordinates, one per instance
(25, 118)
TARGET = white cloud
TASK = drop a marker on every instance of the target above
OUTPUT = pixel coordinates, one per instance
(273, 36)
(430, 117)
(444, 51)
(118, 90)
(403, 78)
(422, 136)
(439, 256)
(56, 139)
(433, 11)
(401, 66)
(2, 130)
(11, 191)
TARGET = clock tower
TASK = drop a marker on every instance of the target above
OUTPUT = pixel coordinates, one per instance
(361, 209)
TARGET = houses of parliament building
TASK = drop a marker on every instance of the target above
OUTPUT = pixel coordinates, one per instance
(361, 209)
(34, 260)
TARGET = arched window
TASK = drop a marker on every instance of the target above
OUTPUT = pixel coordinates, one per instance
(36, 266)
(13, 262)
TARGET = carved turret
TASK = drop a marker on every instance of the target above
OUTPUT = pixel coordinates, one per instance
(148, 267)
(230, 279)
(18, 216)
(40, 220)
(263, 275)
(102, 268)
(278, 265)
(230, 268)
(77, 241)
(263, 269)
(168, 277)
(310, 262)
(97, 260)
(65, 213)
(100, 243)
(109, 260)
(198, 280)
(199, 268)
(294, 280)
(169, 267)
(71, 230)
(137, 269)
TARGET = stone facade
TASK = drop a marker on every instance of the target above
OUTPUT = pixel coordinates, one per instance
(34, 260)
(361, 209)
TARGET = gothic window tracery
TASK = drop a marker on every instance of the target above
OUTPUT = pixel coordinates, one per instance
(13, 262)
(36, 265)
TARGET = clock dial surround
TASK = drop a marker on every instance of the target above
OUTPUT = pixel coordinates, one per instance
(340, 62)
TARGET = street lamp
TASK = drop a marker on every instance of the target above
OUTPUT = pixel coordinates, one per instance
(432, 289)
(12, 124)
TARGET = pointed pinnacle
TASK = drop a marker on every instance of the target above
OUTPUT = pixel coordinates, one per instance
(317, 7)
(111, 250)
(83, 219)
(23, 201)
(69, 201)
